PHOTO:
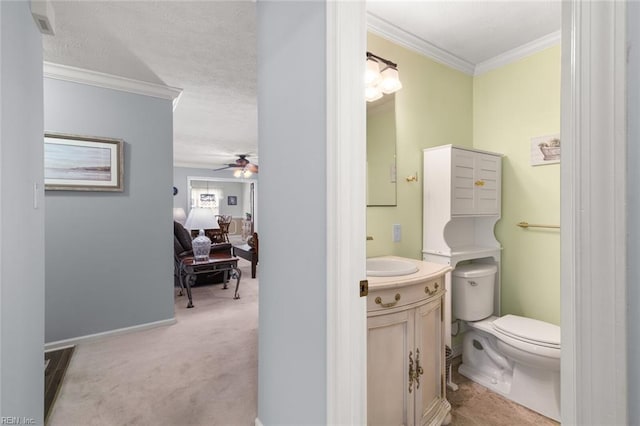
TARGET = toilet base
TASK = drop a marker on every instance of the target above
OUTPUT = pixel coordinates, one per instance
(534, 388)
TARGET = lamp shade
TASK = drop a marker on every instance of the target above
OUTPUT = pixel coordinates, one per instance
(372, 93)
(390, 81)
(372, 73)
(179, 215)
(201, 218)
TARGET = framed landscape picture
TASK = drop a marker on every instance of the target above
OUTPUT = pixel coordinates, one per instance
(232, 200)
(83, 163)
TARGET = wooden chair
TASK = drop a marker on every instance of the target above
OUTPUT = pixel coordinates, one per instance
(223, 222)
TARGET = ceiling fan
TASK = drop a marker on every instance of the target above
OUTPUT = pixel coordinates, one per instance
(243, 165)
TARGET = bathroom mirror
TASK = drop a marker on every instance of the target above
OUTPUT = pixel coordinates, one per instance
(381, 152)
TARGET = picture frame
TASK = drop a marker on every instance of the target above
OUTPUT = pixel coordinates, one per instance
(232, 200)
(83, 163)
(545, 150)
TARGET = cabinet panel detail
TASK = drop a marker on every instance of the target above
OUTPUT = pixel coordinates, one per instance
(389, 339)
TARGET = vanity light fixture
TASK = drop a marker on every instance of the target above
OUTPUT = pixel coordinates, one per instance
(379, 83)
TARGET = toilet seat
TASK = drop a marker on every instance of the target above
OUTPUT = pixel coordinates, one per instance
(528, 330)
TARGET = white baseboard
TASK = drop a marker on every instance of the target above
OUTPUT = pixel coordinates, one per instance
(61, 344)
(258, 422)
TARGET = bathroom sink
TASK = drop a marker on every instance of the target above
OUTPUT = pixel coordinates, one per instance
(388, 267)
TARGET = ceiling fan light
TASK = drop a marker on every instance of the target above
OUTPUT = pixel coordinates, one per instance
(390, 80)
(237, 173)
(247, 173)
(372, 93)
(372, 73)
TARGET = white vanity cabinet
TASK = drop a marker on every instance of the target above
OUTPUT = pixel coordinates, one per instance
(405, 349)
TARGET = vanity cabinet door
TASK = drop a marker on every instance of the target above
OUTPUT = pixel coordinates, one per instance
(390, 337)
(430, 361)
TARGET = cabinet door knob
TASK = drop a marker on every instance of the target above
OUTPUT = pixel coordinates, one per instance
(419, 370)
(479, 183)
(387, 305)
(412, 373)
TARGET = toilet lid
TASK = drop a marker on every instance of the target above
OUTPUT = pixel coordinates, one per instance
(529, 330)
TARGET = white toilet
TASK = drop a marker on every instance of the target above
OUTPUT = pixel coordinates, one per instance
(515, 356)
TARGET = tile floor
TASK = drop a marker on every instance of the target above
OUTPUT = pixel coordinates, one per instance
(475, 405)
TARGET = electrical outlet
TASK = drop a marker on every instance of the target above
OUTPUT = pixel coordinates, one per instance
(396, 232)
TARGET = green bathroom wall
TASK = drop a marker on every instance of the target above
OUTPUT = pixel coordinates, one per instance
(434, 107)
(511, 105)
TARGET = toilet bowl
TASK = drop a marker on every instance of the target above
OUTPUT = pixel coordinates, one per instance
(514, 356)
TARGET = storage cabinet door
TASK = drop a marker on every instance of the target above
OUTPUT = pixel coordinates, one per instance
(389, 338)
(462, 182)
(430, 344)
(487, 171)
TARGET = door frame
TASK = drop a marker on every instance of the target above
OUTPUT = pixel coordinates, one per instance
(594, 341)
(593, 213)
(346, 213)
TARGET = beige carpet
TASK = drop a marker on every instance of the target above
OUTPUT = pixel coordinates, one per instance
(201, 371)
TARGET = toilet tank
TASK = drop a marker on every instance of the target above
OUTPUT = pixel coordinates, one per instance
(472, 291)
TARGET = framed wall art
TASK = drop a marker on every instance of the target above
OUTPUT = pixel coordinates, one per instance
(232, 200)
(83, 163)
(545, 150)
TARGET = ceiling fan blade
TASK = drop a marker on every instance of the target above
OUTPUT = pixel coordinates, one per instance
(223, 168)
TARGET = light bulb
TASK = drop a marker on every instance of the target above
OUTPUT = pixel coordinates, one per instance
(247, 173)
(237, 173)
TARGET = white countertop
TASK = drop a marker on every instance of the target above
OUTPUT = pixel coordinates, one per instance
(426, 271)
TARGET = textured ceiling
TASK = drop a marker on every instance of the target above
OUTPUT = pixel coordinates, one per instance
(208, 48)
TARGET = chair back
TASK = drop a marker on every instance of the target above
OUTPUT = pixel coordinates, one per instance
(223, 222)
(181, 238)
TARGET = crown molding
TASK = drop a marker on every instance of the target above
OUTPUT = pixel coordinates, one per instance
(518, 53)
(403, 38)
(109, 81)
(399, 36)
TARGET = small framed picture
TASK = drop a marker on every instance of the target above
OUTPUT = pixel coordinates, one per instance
(232, 200)
(83, 163)
(545, 150)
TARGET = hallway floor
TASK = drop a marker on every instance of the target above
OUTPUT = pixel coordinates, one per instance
(200, 371)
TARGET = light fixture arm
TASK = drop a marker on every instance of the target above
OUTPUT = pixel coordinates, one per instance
(385, 61)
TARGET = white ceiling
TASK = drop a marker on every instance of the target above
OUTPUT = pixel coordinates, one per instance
(208, 49)
(473, 30)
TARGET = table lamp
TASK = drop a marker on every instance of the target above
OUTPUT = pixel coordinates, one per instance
(201, 219)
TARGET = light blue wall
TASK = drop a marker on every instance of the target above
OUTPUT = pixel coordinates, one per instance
(633, 213)
(109, 256)
(292, 349)
(21, 225)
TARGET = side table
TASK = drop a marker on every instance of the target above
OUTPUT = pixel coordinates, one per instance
(217, 262)
(247, 252)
